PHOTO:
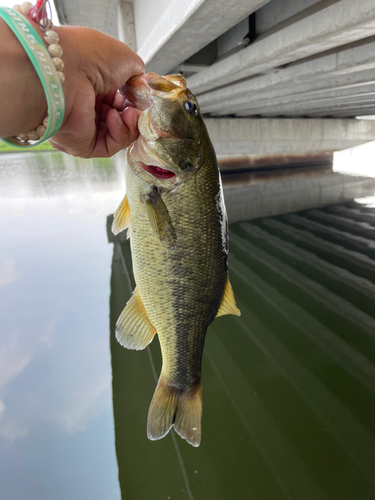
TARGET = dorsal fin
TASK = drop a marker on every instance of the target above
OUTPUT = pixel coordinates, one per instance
(228, 303)
(121, 219)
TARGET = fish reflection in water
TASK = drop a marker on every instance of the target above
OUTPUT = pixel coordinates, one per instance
(289, 385)
(175, 214)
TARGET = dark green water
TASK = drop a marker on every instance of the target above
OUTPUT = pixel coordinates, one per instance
(288, 388)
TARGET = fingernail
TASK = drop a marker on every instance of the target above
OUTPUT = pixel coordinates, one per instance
(118, 119)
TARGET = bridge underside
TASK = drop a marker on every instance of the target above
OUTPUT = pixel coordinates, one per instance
(279, 81)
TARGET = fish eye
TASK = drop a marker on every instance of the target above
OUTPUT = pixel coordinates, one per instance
(190, 107)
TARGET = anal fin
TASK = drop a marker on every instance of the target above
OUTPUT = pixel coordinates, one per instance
(228, 302)
(121, 219)
(133, 328)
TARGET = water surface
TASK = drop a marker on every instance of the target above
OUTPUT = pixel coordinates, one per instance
(288, 388)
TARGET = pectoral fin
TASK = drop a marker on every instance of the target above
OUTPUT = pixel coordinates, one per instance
(133, 328)
(228, 303)
(158, 216)
(121, 218)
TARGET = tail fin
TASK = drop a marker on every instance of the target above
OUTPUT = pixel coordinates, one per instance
(178, 407)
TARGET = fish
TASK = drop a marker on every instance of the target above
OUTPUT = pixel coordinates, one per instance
(175, 216)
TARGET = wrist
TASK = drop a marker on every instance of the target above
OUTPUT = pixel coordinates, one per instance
(45, 55)
(72, 56)
(22, 96)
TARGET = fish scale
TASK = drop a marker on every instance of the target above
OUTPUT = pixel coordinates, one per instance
(176, 284)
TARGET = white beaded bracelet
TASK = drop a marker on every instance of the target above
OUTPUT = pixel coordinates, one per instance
(38, 14)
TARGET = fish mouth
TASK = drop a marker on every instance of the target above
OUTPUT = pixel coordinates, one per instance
(140, 90)
(148, 161)
(158, 172)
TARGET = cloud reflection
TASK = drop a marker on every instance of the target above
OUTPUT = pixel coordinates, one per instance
(7, 271)
(54, 353)
(12, 359)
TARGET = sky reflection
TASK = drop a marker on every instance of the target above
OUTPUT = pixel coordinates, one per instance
(56, 422)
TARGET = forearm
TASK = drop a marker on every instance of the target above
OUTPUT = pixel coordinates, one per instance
(23, 103)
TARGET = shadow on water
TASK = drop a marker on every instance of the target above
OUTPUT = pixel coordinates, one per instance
(289, 387)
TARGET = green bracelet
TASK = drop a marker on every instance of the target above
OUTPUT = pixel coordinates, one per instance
(46, 71)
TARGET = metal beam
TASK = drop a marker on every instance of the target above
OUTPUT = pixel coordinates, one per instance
(190, 68)
(263, 136)
(301, 105)
(328, 108)
(335, 24)
(344, 67)
(125, 19)
(60, 9)
(95, 14)
(366, 110)
(278, 11)
(186, 27)
(345, 85)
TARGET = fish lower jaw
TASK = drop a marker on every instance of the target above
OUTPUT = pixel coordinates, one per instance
(148, 162)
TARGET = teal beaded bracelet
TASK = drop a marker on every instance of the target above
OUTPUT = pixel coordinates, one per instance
(47, 68)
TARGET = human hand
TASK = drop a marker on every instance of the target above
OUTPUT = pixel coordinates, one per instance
(98, 120)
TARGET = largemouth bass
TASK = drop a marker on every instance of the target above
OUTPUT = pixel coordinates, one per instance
(174, 212)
